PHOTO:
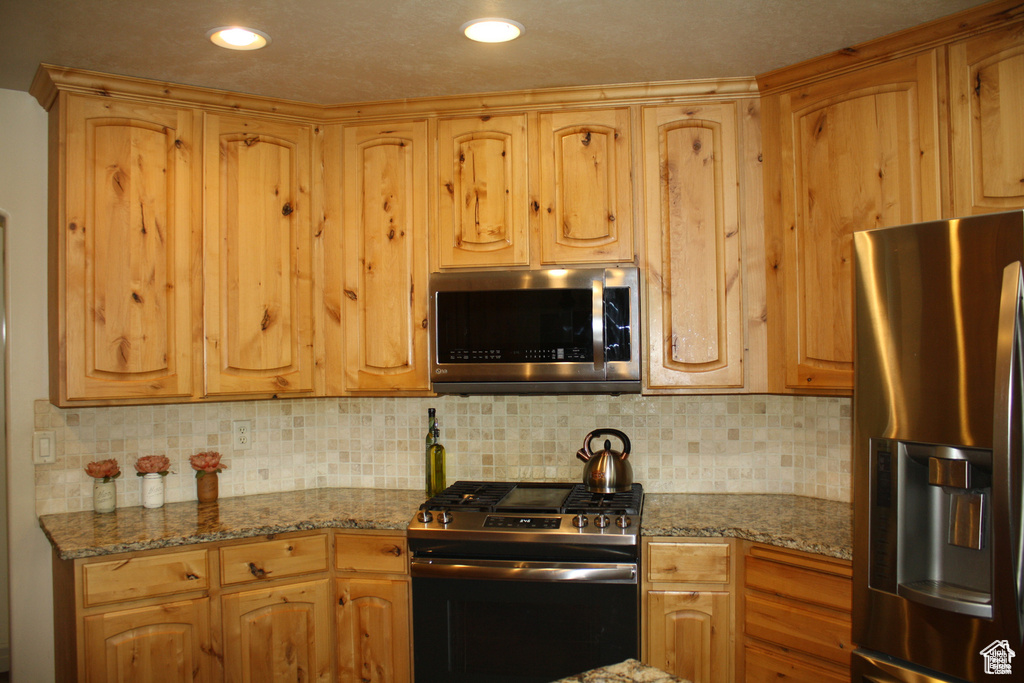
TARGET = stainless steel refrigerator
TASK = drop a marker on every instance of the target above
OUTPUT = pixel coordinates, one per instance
(938, 552)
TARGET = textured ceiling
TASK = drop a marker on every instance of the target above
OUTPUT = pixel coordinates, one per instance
(338, 51)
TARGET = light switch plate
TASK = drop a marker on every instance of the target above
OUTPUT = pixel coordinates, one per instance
(44, 447)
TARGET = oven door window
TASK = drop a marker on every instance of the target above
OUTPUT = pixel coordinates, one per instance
(477, 631)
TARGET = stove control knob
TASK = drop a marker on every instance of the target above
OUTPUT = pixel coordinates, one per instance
(601, 521)
(579, 521)
(444, 517)
(623, 521)
(424, 516)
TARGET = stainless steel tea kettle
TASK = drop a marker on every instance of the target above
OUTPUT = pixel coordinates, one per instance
(606, 471)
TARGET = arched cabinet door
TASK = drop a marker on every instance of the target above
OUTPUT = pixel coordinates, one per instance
(258, 240)
(383, 283)
(586, 187)
(986, 83)
(278, 633)
(125, 299)
(848, 153)
(483, 197)
(694, 308)
(688, 634)
(373, 639)
(165, 643)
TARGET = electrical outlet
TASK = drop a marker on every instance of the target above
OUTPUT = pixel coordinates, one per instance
(44, 447)
(242, 432)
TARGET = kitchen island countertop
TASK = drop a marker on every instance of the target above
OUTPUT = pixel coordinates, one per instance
(810, 524)
(629, 671)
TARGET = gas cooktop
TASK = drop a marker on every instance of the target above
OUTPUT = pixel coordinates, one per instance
(530, 511)
(559, 498)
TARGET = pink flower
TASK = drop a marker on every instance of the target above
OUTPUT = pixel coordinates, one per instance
(152, 464)
(105, 469)
(207, 462)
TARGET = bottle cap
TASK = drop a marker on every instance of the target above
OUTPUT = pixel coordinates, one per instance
(430, 412)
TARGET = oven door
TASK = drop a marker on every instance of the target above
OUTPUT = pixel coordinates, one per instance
(497, 621)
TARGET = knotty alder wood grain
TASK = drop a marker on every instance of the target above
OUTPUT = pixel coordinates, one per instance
(278, 633)
(258, 268)
(586, 205)
(986, 76)
(694, 295)
(483, 194)
(854, 152)
(385, 256)
(123, 247)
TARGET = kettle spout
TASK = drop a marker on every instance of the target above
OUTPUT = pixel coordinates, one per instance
(583, 455)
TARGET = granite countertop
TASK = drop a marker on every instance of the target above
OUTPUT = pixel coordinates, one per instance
(814, 525)
(629, 671)
(85, 534)
(810, 524)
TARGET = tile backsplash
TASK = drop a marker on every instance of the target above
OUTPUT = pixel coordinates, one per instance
(706, 444)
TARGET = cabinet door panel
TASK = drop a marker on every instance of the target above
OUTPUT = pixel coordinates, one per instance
(385, 276)
(483, 193)
(586, 187)
(373, 631)
(167, 643)
(855, 152)
(694, 306)
(986, 99)
(689, 634)
(278, 634)
(258, 257)
(127, 237)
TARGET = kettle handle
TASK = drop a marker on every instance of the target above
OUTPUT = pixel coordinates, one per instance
(601, 432)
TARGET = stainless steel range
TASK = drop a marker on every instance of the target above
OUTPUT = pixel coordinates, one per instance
(524, 582)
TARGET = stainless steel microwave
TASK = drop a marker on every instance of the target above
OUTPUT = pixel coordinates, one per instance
(538, 331)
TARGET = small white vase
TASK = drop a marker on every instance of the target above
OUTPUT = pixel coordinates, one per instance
(152, 490)
(104, 495)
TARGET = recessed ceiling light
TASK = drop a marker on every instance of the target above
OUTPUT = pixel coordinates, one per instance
(238, 38)
(492, 30)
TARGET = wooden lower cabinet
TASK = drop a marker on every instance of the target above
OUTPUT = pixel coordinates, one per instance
(796, 616)
(688, 615)
(372, 614)
(373, 631)
(162, 643)
(265, 609)
(279, 633)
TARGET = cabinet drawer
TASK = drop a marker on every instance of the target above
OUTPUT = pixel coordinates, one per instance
(693, 562)
(370, 553)
(814, 632)
(763, 666)
(816, 587)
(144, 577)
(273, 559)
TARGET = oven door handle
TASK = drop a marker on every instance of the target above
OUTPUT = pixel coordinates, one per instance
(511, 570)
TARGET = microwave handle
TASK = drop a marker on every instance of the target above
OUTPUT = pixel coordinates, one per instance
(597, 323)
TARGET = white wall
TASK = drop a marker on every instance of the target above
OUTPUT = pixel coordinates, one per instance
(23, 159)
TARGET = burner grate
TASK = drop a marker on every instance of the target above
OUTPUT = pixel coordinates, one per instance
(625, 502)
(470, 495)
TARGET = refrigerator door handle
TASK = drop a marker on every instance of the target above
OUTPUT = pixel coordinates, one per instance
(1007, 439)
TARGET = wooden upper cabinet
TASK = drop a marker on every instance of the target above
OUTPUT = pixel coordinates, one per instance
(692, 208)
(986, 82)
(852, 152)
(258, 262)
(122, 294)
(586, 189)
(384, 247)
(483, 217)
